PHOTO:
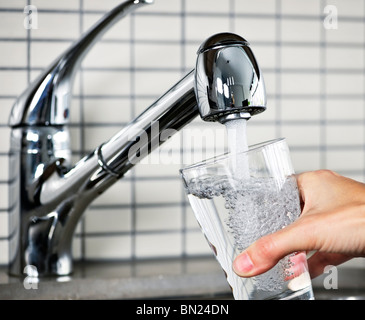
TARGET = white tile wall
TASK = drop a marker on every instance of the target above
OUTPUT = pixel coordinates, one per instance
(307, 31)
(14, 24)
(348, 32)
(315, 85)
(300, 7)
(64, 26)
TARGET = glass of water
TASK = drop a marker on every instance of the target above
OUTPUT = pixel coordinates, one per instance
(238, 198)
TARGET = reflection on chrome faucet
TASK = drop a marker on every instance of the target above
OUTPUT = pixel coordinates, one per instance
(48, 195)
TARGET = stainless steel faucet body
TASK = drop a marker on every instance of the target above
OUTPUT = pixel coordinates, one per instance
(48, 195)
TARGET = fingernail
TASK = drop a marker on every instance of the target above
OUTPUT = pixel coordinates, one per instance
(243, 264)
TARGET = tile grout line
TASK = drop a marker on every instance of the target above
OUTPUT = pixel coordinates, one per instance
(82, 222)
(184, 217)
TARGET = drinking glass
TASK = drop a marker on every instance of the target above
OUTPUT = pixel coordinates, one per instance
(238, 198)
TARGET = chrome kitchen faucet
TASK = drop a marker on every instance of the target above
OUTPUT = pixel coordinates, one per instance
(48, 195)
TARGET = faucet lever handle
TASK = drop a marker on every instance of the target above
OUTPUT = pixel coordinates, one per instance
(46, 101)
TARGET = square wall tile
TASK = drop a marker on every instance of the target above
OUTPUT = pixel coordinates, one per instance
(269, 116)
(271, 84)
(254, 7)
(299, 30)
(4, 196)
(152, 28)
(190, 220)
(201, 28)
(94, 136)
(335, 109)
(42, 54)
(158, 245)
(346, 32)
(300, 83)
(309, 57)
(211, 6)
(13, 4)
(6, 106)
(108, 55)
(255, 30)
(199, 139)
(100, 5)
(344, 58)
(13, 54)
(257, 133)
(107, 110)
(305, 160)
(107, 220)
(12, 25)
(292, 109)
(302, 134)
(108, 247)
(146, 82)
(4, 165)
(121, 30)
(164, 218)
(106, 82)
(75, 109)
(266, 56)
(4, 249)
(190, 55)
(164, 6)
(157, 56)
(158, 192)
(76, 248)
(348, 84)
(5, 139)
(300, 7)
(344, 135)
(118, 194)
(196, 244)
(160, 165)
(75, 137)
(57, 26)
(345, 160)
(61, 5)
(141, 103)
(4, 230)
(190, 158)
(12, 82)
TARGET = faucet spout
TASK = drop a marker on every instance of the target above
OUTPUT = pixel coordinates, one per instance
(112, 159)
(48, 195)
(49, 198)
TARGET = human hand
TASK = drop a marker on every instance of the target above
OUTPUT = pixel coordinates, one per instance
(332, 223)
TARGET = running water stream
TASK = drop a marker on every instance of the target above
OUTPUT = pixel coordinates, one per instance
(237, 146)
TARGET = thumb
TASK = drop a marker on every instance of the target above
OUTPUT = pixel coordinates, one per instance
(264, 254)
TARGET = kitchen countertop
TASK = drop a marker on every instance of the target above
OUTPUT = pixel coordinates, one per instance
(183, 278)
(169, 278)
